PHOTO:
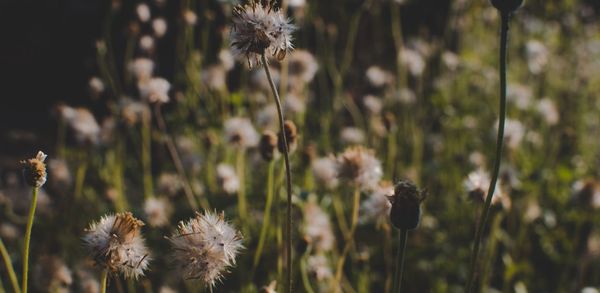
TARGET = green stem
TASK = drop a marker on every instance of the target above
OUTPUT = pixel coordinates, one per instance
(349, 237)
(28, 239)
(288, 175)
(267, 214)
(103, 280)
(80, 176)
(242, 205)
(499, 142)
(400, 261)
(305, 280)
(9, 267)
(147, 155)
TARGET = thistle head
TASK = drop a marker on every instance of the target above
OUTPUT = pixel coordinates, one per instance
(260, 28)
(34, 170)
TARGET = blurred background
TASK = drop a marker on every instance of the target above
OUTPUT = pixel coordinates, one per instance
(415, 82)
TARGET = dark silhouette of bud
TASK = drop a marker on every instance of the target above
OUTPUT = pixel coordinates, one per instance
(406, 205)
(291, 133)
(268, 145)
(507, 6)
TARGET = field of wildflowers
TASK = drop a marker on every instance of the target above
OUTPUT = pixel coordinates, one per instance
(315, 146)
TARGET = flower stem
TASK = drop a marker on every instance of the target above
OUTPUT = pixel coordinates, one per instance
(400, 261)
(28, 239)
(499, 142)
(349, 237)
(242, 204)
(267, 214)
(103, 280)
(9, 268)
(147, 155)
(288, 238)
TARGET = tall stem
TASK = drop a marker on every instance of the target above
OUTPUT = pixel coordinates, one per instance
(28, 239)
(9, 268)
(103, 281)
(267, 214)
(147, 154)
(499, 142)
(242, 205)
(400, 261)
(349, 237)
(288, 238)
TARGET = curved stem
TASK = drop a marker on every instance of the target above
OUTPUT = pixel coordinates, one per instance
(499, 142)
(28, 239)
(349, 237)
(400, 261)
(267, 214)
(9, 268)
(288, 237)
(103, 280)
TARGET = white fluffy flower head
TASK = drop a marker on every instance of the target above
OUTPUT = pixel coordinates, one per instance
(205, 246)
(116, 243)
(359, 166)
(260, 28)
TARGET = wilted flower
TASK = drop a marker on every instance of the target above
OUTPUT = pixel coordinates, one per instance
(260, 28)
(240, 132)
(227, 178)
(158, 211)
(317, 227)
(34, 170)
(51, 273)
(205, 247)
(325, 171)
(359, 166)
(155, 90)
(116, 243)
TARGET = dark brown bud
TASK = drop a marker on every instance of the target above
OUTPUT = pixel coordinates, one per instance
(34, 170)
(507, 6)
(268, 145)
(406, 205)
(291, 134)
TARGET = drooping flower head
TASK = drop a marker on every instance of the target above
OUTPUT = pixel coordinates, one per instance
(205, 246)
(116, 243)
(260, 28)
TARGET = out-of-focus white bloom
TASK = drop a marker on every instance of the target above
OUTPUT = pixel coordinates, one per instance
(589, 290)
(141, 68)
(169, 184)
(60, 175)
(215, 77)
(205, 246)
(116, 243)
(302, 66)
(87, 282)
(377, 77)
(240, 132)
(520, 95)
(406, 96)
(155, 90)
(514, 132)
(317, 228)
(373, 104)
(297, 3)
(96, 86)
(377, 206)
(359, 166)
(260, 29)
(8, 231)
(143, 12)
(532, 212)
(478, 159)
(325, 171)
(293, 103)
(413, 60)
(548, 110)
(226, 59)
(587, 193)
(537, 56)
(159, 26)
(158, 211)
(477, 184)
(318, 266)
(146, 43)
(451, 60)
(83, 124)
(352, 136)
(190, 17)
(51, 273)
(227, 178)
(266, 118)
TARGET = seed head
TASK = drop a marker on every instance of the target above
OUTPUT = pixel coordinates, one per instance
(406, 205)
(116, 243)
(205, 247)
(260, 28)
(34, 170)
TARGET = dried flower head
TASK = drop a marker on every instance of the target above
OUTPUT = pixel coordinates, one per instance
(268, 145)
(291, 135)
(240, 132)
(116, 243)
(359, 166)
(260, 28)
(205, 247)
(406, 205)
(34, 170)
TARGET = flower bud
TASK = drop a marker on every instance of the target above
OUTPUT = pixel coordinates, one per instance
(268, 145)
(34, 170)
(406, 205)
(291, 134)
(507, 6)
